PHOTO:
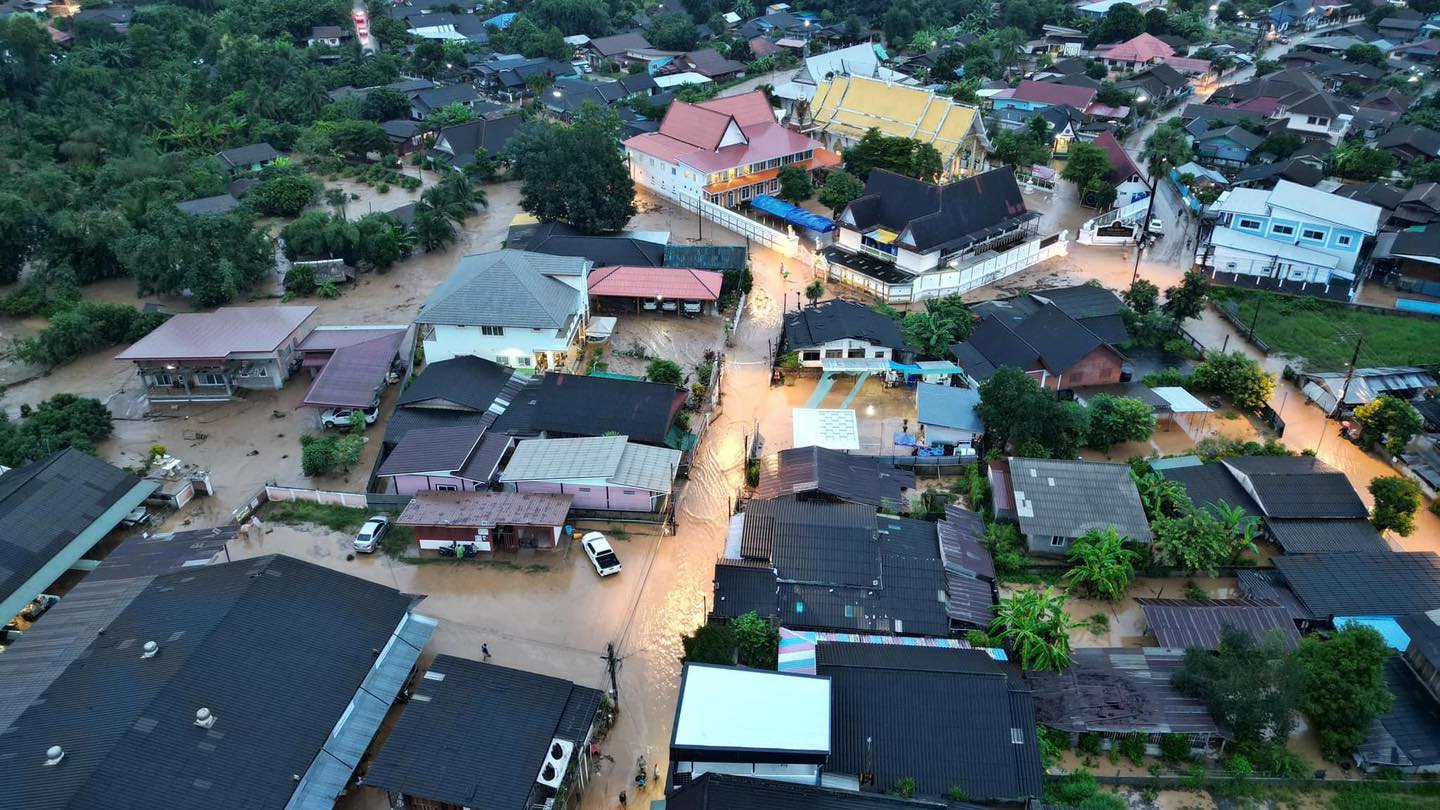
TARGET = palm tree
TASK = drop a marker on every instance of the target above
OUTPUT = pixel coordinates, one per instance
(1242, 527)
(432, 229)
(1101, 564)
(1160, 496)
(814, 291)
(336, 198)
(1035, 624)
(1166, 148)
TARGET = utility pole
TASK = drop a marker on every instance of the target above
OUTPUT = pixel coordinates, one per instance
(1349, 374)
(1259, 303)
(613, 665)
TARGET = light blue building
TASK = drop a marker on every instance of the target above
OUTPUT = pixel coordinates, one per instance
(1291, 237)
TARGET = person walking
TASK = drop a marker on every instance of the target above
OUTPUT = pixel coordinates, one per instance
(485, 651)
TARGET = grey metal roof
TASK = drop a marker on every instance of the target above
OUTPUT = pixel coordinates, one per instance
(508, 288)
(943, 717)
(1383, 584)
(962, 546)
(1298, 487)
(33, 530)
(1122, 690)
(1408, 735)
(465, 381)
(219, 204)
(1268, 585)
(824, 473)
(248, 155)
(1325, 536)
(615, 459)
(579, 405)
(434, 450)
(509, 716)
(232, 638)
(836, 319)
(1424, 633)
(742, 586)
(722, 791)
(1209, 484)
(948, 406)
(1060, 498)
(1198, 623)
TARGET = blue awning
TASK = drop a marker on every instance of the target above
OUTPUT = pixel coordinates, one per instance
(793, 214)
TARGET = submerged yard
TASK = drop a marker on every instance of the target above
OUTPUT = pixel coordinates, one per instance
(1322, 334)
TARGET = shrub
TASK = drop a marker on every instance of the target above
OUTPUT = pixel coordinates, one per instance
(666, 372)
(1003, 541)
(1132, 746)
(317, 455)
(1165, 378)
(710, 644)
(1089, 743)
(1174, 747)
(83, 327)
(757, 643)
(904, 788)
(1236, 376)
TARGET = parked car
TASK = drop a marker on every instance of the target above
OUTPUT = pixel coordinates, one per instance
(670, 306)
(368, 538)
(340, 417)
(136, 516)
(649, 305)
(1157, 227)
(692, 307)
(601, 555)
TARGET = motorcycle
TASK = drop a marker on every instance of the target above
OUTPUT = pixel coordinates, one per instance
(640, 773)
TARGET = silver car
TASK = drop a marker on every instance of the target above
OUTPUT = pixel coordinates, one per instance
(368, 538)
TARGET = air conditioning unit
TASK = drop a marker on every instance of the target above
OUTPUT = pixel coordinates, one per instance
(557, 760)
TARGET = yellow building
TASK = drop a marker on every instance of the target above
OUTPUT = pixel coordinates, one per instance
(845, 107)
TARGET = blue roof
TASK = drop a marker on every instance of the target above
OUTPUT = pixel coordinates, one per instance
(793, 214)
(501, 21)
(1386, 626)
(948, 406)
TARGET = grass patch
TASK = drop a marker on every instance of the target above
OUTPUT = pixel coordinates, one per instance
(397, 541)
(345, 519)
(1314, 331)
(477, 562)
(618, 532)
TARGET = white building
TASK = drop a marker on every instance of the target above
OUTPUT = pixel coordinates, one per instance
(524, 310)
(1290, 237)
(856, 60)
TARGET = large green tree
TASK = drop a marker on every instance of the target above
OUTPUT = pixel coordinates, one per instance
(1115, 420)
(1236, 376)
(839, 189)
(1344, 685)
(1397, 500)
(897, 154)
(575, 173)
(1035, 624)
(1251, 685)
(1101, 565)
(1391, 420)
(1085, 164)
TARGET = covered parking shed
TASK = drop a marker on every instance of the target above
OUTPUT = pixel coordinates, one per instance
(627, 288)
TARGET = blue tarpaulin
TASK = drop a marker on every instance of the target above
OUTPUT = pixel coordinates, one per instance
(793, 214)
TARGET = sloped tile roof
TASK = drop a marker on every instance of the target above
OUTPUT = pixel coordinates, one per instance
(674, 283)
(218, 334)
(507, 288)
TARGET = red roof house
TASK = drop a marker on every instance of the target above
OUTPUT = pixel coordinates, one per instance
(1142, 50)
(1052, 94)
(1124, 174)
(637, 284)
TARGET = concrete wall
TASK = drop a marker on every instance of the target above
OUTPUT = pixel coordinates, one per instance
(844, 347)
(515, 348)
(593, 496)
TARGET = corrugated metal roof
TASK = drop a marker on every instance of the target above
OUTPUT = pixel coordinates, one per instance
(226, 331)
(1059, 498)
(655, 282)
(615, 459)
(721, 791)
(1408, 734)
(1325, 536)
(822, 472)
(1121, 690)
(1198, 623)
(948, 406)
(485, 509)
(1384, 584)
(355, 374)
(441, 450)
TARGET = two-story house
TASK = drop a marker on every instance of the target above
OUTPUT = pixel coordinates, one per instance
(725, 151)
(519, 309)
(1317, 116)
(1033, 96)
(1130, 184)
(905, 239)
(1290, 237)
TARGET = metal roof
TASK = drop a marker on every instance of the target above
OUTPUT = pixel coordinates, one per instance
(1297, 487)
(718, 791)
(441, 450)
(834, 428)
(510, 716)
(948, 406)
(1325, 535)
(1121, 690)
(485, 509)
(219, 334)
(822, 472)
(1408, 734)
(1361, 216)
(578, 405)
(655, 282)
(508, 288)
(1199, 623)
(127, 723)
(943, 717)
(1424, 632)
(614, 459)
(355, 374)
(1380, 584)
(1061, 498)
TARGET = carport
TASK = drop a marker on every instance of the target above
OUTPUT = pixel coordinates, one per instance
(354, 374)
(656, 289)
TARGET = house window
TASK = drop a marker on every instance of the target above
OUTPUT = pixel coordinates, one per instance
(163, 378)
(427, 331)
(1312, 234)
(502, 359)
(495, 331)
(210, 378)
(628, 491)
(583, 489)
(834, 354)
(1057, 542)
(1343, 241)
(880, 355)
(812, 355)
(856, 353)
(523, 362)
(446, 488)
(1252, 224)
(1317, 121)
(1282, 230)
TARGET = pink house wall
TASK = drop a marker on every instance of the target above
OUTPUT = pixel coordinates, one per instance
(592, 497)
(411, 484)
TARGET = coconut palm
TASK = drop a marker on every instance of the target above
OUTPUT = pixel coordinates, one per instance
(1102, 565)
(1241, 525)
(1160, 496)
(1035, 624)
(336, 198)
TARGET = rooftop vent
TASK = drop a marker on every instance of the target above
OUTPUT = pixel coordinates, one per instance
(203, 718)
(149, 650)
(557, 760)
(54, 754)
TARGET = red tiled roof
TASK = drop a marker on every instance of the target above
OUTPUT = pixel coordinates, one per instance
(1186, 64)
(1263, 105)
(1144, 48)
(1052, 93)
(761, 46)
(649, 282)
(691, 134)
(748, 109)
(1122, 165)
(695, 125)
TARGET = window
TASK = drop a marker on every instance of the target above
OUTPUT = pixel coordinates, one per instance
(880, 355)
(1056, 542)
(210, 378)
(427, 331)
(856, 353)
(1317, 121)
(1282, 230)
(502, 359)
(446, 488)
(523, 362)
(812, 355)
(1253, 224)
(628, 491)
(834, 354)
(495, 331)
(1310, 233)
(1343, 241)
(162, 378)
(583, 489)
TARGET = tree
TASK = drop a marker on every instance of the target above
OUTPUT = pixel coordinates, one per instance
(64, 420)
(1035, 624)
(1344, 685)
(1186, 300)
(1115, 420)
(1142, 296)
(928, 334)
(953, 309)
(1096, 70)
(814, 291)
(1113, 96)
(433, 230)
(901, 155)
(1236, 376)
(710, 644)
(1251, 685)
(284, 196)
(795, 184)
(1121, 23)
(448, 116)
(673, 31)
(1365, 54)
(22, 228)
(757, 642)
(1101, 565)
(1022, 147)
(1157, 22)
(1281, 145)
(1087, 162)
(575, 174)
(337, 199)
(840, 188)
(1195, 542)
(1020, 415)
(1167, 147)
(1356, 161)
(899, 23)
(383, 240)
(588, 17)
(1390, 418)
(1161, 496)
(1100, 194)
(666, 372)
(384, 104)
(1396, 501)
(357, 139)
(1227, 12)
